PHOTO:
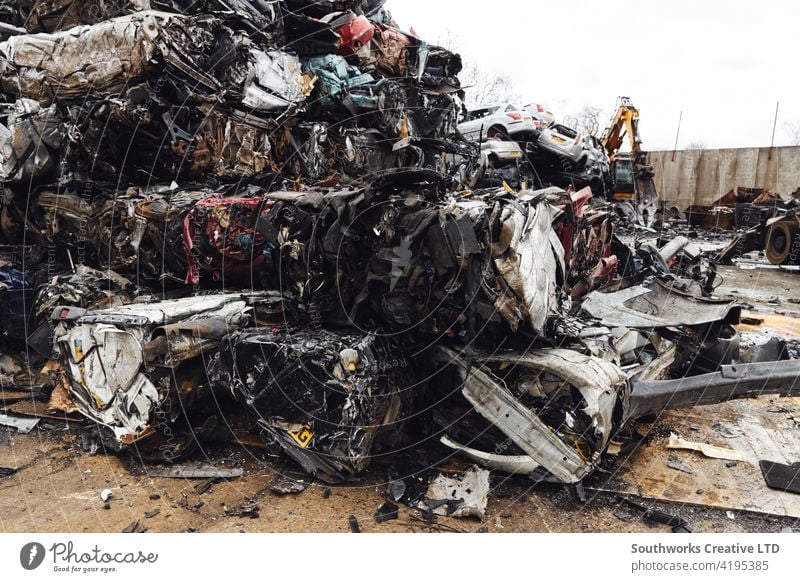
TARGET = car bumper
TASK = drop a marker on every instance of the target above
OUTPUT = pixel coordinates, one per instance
(519, 127)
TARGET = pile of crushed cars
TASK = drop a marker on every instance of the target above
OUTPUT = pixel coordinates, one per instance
(527, 147)
(266, 209)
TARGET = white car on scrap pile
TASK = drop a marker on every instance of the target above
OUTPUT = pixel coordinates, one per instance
(542, 116)
(564, 142)
(504, 121)
(499, 151)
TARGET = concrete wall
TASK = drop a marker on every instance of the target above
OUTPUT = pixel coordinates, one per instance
(688, 177)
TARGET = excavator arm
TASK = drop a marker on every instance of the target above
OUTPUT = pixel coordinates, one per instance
(624, 123)
(633, 177)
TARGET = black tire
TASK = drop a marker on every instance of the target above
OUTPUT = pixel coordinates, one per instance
(780, 247)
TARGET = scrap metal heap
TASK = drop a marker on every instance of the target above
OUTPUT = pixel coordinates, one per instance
(266, 206)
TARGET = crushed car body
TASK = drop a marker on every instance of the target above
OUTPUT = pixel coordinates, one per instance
(133, 369)
(329, 400)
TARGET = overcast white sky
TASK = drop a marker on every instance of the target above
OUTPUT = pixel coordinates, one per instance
(724, 64)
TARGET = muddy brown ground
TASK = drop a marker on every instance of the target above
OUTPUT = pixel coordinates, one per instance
(57, 487)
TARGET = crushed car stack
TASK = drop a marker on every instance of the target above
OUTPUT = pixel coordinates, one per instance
(269, 202)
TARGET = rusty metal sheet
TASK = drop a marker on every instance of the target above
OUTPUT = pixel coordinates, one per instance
(761, 428)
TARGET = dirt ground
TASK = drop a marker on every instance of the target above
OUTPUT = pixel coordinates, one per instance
(57, 485)
(758, 283)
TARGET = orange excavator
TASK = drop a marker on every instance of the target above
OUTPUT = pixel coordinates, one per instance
(633, 177)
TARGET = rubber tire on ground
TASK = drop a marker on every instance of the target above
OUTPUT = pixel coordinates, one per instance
(780, 241)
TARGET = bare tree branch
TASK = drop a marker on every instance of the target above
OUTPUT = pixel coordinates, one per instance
(589, 121)
(482, 87)
(696, 145)
(570, 120)
(586, 121)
